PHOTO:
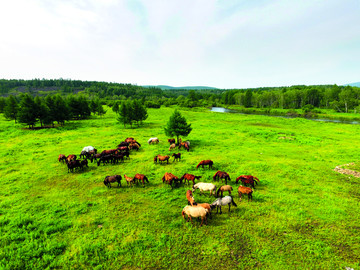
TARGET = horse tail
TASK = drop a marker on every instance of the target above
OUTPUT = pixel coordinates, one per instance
(198, 166)
(256, 179)
(233, 202)
(146, 179)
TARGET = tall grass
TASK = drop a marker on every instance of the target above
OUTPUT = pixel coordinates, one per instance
(304, 215)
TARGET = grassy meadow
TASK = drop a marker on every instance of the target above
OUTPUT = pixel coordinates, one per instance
(303, 214)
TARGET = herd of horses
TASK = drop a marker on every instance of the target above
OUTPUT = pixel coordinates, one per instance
(193, 209)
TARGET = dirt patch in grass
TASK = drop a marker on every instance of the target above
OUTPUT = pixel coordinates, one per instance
(342, 169)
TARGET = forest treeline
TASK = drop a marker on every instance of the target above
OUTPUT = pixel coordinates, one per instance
(339, 98)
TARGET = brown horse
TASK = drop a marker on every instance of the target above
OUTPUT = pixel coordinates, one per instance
(176, 156)
(248, 180)
(161, 159)
(112, 179)
(186, 145)
(171, 141)
(224, 188)
(221, 175)
(62, 158)
(70, 158)
(206, 206)
(153, 140)
(245, 190)
(190, 177)
(170, 179)
(135, 146)
(109, 152)
(172, 146)
(190, 198)
(140, 177)
(205, 162)
(130, 181)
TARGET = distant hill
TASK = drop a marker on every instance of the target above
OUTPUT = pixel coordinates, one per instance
(357, 84)
(166, 87)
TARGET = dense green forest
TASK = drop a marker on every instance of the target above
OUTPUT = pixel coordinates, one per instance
(339, 98)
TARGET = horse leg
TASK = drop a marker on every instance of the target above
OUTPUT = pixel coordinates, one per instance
(229, 207)
(240, 195)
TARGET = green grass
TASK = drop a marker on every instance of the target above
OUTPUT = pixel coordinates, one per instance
(304, 215)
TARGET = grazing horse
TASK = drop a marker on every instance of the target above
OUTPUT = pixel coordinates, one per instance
(95, 157)
(161, 159)
(245, 190)
(172, 146)
(186, 145)
(206, 206)
(123, 148)
(205, 162)
(112, 179)
(205, 187)
(170, 179)
(248, 180)
(135, 146)
(221, 175)
(227, 200)
(190, 177)
(89, 148)
(224, 188)
(171, 141)
(70, 158)
(195, 211)
(61, 158)
(73, 164)
(123, 144)
(109, 152)
(130, 181)
(140, 177)
(176, 156)
(84, 154)
(153, 140)
(84, 163)
(105, 159)
(190, 198)
(132, 140)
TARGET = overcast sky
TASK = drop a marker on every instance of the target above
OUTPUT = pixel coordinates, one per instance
(224, 44)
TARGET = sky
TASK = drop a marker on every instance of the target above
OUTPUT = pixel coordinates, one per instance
(224, 44)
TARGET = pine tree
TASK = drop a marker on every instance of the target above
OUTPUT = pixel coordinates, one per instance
(27, 112)
(140, 112)
(177, 126)
(11, 108)
(41, 111)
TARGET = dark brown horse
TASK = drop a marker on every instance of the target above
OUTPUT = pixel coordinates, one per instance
(248, 180)
(109, 152)
(62, 158)
(176, 156)
(161, 159)
(221, 175)
(190, 177)
(140, 177)
(171, 141)
(112, 179)
(205, 162)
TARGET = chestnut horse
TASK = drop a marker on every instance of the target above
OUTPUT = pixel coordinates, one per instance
(248, 180)
(190, 198)
(221, 175)
(172, 146)
(61, 158)
(186, 145)
(224, 188)
(112, 179)
(109, 152)
(190, 177)
(140, 177)
(195, 211)
(205, 162)
(170, 179)
(161, 158)
(176, 156)
(245, 190)
(130, 181)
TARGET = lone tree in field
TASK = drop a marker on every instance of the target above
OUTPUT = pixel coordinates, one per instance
(177, 126)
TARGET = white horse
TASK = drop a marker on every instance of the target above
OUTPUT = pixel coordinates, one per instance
(88, 148)
(227, 200)
(205, 187)
(195, 211)
(153, 140)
